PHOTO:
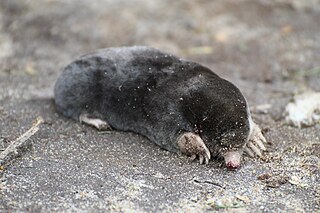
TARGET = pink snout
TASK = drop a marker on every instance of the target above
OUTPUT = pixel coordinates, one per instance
(232, 159)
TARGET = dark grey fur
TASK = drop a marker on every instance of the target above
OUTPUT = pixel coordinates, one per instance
(160, 96)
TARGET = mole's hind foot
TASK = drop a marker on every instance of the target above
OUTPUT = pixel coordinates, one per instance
(191, 144)
(255, 145)
(96, 122)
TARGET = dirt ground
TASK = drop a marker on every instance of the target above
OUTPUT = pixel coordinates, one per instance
(269, 49)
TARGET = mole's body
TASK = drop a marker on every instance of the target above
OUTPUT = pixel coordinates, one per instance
(180, 105)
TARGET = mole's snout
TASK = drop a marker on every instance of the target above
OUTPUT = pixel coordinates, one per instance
(232, 159)
(232, 165)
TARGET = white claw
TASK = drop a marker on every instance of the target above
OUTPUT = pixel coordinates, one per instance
(206, 160)
(193, 157)
(260, 144)
(201, 159)
(248, 151)
(254, 148)
(208, 153)
(262, 138)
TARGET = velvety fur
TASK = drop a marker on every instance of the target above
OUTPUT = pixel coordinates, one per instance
(155, 94)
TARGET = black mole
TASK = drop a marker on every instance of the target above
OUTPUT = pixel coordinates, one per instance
(180, 105)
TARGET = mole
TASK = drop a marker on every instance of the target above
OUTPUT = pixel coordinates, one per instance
(178, 104)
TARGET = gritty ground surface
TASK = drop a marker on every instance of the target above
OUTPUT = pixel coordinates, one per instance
(270, 49)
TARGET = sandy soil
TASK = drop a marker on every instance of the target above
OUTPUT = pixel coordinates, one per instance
(269, 49)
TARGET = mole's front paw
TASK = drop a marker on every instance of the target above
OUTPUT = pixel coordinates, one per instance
(256, 142)
(192, 145)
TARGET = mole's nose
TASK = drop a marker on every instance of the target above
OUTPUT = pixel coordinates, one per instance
(232, 159)
(232, 165)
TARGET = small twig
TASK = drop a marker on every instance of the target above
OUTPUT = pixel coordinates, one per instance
(13, 149)
(210, 182)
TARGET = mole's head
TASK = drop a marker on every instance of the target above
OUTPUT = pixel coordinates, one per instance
(227, 128)
(219, 113)
(225, 131)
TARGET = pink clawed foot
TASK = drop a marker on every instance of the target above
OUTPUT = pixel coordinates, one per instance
(191, 144)
(255, 145)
